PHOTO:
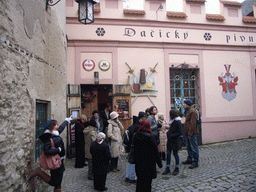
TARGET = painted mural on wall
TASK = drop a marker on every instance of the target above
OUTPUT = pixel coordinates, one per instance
(228, 82)
(145, 84)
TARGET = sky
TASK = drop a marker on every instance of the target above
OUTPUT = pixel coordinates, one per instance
(211, 6)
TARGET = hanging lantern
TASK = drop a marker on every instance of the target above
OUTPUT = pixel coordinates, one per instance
(86, 11)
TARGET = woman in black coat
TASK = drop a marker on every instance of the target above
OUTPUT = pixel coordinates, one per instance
(100, 161)
(173, 141)
(79, 141)
(52, 131)
(146, 156)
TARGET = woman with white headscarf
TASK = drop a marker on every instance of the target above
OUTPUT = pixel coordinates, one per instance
(100, 161)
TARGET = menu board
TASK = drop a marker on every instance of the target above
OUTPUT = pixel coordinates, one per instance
(122, 107)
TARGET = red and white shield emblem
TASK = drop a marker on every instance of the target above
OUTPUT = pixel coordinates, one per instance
(228, 82)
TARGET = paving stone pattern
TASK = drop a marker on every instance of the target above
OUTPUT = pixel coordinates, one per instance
(228, 166)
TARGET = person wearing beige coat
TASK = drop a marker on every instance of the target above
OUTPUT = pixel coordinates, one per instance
(162, 147)
(90, 134)
(115, 128)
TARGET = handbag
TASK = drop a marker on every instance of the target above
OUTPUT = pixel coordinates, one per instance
(131, 158)
(50, 162)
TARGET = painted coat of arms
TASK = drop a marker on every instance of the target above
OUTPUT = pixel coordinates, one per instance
(228, 82)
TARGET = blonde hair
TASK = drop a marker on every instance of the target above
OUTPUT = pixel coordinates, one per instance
(84, 117)
(160, 114)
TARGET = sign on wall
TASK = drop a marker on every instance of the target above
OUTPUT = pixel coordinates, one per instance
(166, 35)
(147, 89)
(104, 65)
(228, 82)
(88, 65)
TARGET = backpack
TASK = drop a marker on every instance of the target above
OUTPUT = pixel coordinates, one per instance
(199, 121)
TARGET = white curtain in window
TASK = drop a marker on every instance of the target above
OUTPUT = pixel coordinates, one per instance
(174, 5)
(133, 4)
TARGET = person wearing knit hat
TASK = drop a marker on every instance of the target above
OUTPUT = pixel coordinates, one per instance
(191, 131)
(100, 152)
(188, 102)
(115, 128)
(46, 125)
(52, 133)
(114, 115)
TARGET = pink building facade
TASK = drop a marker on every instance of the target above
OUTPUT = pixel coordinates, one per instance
(167, 57)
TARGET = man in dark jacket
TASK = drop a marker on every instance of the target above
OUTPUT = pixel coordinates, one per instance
(79, 141)
(191, 131)
(100, 161)
(105, 116)
(154, 125)
(96, 121)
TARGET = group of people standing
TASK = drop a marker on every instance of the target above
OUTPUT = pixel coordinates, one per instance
(152, 139)
(103, 126)
(99, 141)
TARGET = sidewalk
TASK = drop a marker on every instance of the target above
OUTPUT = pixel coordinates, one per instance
(228, 166)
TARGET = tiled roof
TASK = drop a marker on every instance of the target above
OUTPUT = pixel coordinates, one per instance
(196, 1)
(215, 17)
(232, 3)
(176, 14)
(249, 19)
(135, 12)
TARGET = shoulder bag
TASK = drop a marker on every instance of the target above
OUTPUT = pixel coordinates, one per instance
(50, 162)
(131, 158)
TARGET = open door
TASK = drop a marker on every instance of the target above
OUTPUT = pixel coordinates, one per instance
(95, 97)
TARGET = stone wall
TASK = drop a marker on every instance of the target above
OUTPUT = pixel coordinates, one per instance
(32, 66)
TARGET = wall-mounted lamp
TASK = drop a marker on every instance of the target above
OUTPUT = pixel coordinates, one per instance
(160, 7)
(96, 77)
(85, 9)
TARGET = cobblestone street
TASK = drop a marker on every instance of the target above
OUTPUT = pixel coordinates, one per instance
(228, 166)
